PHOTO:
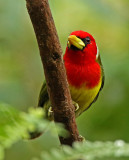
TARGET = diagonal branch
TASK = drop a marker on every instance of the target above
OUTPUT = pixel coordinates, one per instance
(51, 55)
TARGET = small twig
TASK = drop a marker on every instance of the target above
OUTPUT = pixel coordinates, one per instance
(51, 55)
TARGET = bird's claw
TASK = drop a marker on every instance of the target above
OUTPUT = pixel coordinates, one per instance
(81, 138)
(50, 110)
(76, 106)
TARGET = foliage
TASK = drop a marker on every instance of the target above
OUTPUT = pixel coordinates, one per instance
(15, 125)
(90, 151)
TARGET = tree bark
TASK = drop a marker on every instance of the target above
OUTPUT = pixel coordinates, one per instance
(51, 55)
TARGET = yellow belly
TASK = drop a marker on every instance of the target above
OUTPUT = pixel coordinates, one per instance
(84, 96)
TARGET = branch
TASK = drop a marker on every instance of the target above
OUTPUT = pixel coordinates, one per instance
(51, 55)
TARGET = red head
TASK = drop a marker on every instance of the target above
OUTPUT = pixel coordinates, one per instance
(80, 60)
(81, 48)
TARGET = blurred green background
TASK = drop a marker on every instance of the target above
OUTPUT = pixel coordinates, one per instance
(21, 73)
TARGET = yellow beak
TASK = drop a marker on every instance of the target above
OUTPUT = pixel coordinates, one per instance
(75, 41)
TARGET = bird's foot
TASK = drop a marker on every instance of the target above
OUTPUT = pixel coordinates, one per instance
(76, 106)
(50, 110)
(81, 138)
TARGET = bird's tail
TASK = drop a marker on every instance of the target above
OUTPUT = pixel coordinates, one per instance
(48, 116)
(34, 135)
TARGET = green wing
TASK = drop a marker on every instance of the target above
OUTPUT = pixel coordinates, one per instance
(44, 102)
(103, 77)
(102, 69)
(43, 96)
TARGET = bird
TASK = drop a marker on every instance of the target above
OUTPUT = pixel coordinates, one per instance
(84, 70)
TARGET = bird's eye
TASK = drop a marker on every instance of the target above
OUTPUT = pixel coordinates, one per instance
(86, 40)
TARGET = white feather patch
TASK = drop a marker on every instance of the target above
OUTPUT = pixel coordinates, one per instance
(97, 52)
